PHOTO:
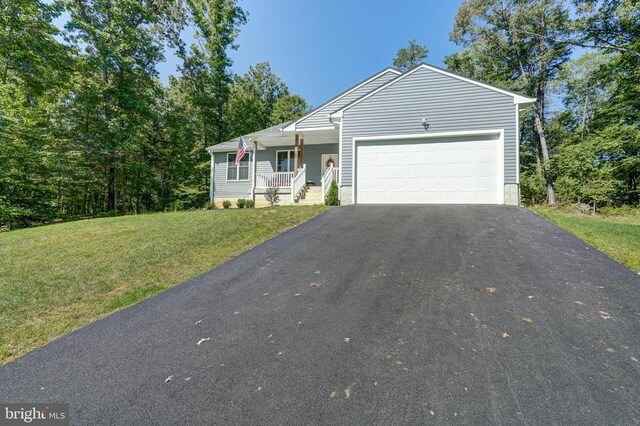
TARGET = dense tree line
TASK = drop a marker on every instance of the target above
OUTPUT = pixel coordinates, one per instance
(87, 128)
(581, 141)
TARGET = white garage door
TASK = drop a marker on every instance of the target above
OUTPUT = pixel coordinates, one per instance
(429, 171)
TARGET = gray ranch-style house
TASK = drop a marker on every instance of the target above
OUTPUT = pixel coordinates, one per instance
(426, 136)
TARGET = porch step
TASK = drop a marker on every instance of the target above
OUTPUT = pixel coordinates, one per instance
(313, 195)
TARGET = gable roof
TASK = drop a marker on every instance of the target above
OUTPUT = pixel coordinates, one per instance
(232, 144)
(517, 98)
(292, 126)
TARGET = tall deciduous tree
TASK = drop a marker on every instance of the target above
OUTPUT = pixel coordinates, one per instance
(254, 98)
(614, 26)
(411, 56)
(33, 73)
(611, 25)
(86, 127)
(523, 43)
(582, 92)
(206, 68)
(207, 62)
(122, 42)
(287, 108)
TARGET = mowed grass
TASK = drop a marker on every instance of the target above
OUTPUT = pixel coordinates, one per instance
(54, 279)
(616, 233)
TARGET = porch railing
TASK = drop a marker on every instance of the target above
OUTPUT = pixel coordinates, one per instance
(298, 182)
(331, 174)
(274, 179)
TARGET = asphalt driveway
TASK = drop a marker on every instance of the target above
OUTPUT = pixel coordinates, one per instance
(411, 314)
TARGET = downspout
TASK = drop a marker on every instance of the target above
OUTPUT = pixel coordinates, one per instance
(518, 148)
(211, 178)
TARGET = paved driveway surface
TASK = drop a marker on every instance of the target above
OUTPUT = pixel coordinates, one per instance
(407, 287)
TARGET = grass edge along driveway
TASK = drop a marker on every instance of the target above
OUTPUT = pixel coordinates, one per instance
(616, 235)
(57, 278)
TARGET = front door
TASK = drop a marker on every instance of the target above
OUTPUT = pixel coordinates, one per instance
(327, 160)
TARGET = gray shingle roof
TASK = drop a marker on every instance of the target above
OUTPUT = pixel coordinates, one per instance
(391, 82)
(232, 145)
(343, 93)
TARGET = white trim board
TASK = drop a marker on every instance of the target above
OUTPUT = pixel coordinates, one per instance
(292, 127)
(391, 138)
(315, 129)
(340, 153)
(289, 157)
(212, 177)
(517, 99)
(227, 154)
(518, 144)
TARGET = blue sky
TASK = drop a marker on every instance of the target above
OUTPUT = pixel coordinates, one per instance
(322, 47)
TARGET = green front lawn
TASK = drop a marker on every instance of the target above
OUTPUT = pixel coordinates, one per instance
(616, 233)
(54, 279)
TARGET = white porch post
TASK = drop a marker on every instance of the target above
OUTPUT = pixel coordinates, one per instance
(211, 178)
(296, 144)
(253, 172)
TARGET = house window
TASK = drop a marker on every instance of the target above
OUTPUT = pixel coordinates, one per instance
(241, 171)
(285, 161)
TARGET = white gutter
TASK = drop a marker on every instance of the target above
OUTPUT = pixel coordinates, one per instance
(211, 178)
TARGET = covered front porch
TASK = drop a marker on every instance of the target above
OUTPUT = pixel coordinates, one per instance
(301, 165)
(295, 163)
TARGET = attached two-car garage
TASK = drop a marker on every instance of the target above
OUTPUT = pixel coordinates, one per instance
(430, 136)
(465, 169)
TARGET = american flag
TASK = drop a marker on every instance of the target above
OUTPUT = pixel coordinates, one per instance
(242, 150)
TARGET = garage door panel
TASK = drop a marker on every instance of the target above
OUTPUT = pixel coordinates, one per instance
(470, 195)
(485, 155)
(401, 197)
(432, 170)
(467, 156)
(368, 158)
(414, 198)
(451, 169)
(450, 197)
(394, 157)
(450, 183)
(433, 197)
(481, 183)
(397, 169)
(381, 184)
(468, 169)
(367, 198)
(466, 183)
(428, 171)
(414, 158)
(432, 183)
(415, 185)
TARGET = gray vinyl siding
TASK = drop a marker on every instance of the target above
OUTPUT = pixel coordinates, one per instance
(448, 103)
(313, 159)
(231, 189)
(320, 117)
(266, 163)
